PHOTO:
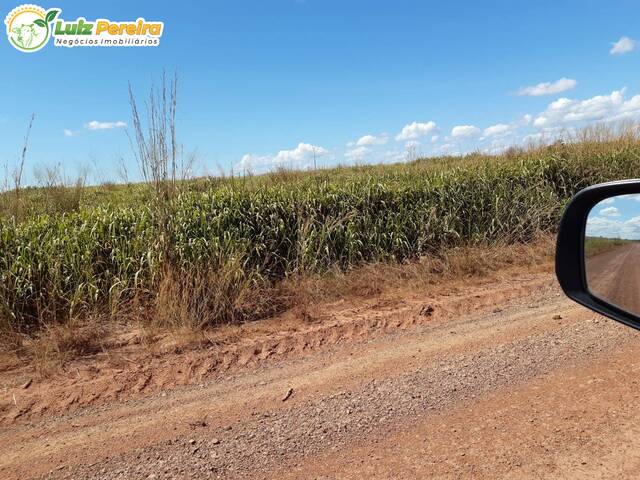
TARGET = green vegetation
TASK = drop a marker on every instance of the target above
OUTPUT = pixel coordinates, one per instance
(216, 242)
(596, 245)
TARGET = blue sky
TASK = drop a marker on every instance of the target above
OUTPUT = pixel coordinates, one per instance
(616, 217)
(271, 82)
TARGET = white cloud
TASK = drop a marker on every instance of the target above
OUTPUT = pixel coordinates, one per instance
(607, 227)
(357, 153)
(497, 130)
(435, 138)
(599, 108)
(251, 162)
(548, 88)
(540, 121)
(415, 130)
(608, 201)
(375, 155)
(496, 147)
(301, 152)
(465, 131)
(599, 226)
(610, 212)
(622, 46)
(95, 125)
(299, 157)
(371, 140)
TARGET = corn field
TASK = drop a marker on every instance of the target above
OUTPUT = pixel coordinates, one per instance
(53, 266)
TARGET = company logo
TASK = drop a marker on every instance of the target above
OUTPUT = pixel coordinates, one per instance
(30, 27)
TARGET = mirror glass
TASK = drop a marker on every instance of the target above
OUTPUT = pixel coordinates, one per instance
(612, 251)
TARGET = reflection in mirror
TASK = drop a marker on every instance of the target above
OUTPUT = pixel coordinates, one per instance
(612, 252)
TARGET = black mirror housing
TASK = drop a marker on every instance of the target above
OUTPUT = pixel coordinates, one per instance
(570, 251)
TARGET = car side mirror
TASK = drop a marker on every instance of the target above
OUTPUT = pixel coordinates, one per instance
(598, 250)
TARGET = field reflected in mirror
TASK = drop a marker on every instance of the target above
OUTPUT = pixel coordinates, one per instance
(612, 251)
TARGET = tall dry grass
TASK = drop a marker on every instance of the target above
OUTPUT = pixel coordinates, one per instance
(13, 203)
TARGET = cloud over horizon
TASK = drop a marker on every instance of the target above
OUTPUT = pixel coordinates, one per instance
(299, 157)
(597, 108)
(560, 118)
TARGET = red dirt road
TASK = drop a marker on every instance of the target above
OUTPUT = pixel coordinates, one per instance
(615, 276)
(493, 379)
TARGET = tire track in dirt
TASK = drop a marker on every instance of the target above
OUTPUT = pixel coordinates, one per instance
(114, 376)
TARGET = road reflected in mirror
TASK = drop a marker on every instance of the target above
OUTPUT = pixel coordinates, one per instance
(612, 252)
